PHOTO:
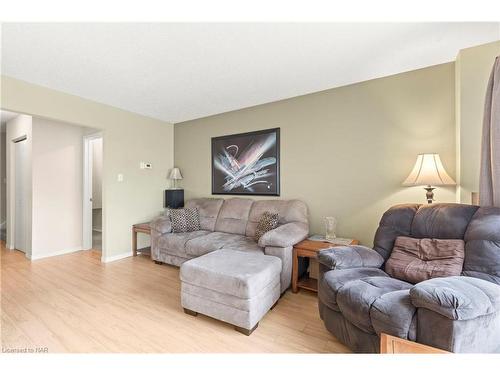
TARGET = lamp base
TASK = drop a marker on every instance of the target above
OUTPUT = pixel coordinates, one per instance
(430, 194)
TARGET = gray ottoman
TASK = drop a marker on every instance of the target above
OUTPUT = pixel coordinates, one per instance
(233, 286)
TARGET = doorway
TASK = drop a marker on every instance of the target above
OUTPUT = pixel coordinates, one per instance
(21, 192)
(92, 205)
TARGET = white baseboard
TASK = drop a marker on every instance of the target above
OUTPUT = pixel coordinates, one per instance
(53, 253)
(116, 257)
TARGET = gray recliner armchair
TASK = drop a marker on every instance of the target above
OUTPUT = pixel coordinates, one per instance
(358, 300)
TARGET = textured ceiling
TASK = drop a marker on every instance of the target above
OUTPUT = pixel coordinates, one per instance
(177, 71)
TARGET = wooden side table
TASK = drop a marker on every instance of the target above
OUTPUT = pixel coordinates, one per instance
(395, 345)
(140, 228)
(308, 249)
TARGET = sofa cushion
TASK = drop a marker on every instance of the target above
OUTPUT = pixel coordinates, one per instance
(232, 272)
(288, 210)
(242, 243)
(333, 281)
(217, 240)
(233, 216)
(208, 209)
(184, 219)
(268, 221)
(394, 314)
(174, 243)
(415, 260)
(356, 298)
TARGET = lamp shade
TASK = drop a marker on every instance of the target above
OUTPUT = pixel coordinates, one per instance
(428, 170)
(175, 174)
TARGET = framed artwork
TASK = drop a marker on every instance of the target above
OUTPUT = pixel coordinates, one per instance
(247, 163)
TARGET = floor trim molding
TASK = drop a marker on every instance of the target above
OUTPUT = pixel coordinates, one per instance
(54, 253)
(106, 259)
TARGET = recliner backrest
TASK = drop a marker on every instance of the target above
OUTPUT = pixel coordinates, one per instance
(396, 221)
(482, 245)
(443, 221)
(479, 227)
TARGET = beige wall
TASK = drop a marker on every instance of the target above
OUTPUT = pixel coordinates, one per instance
(473, 68)
(344, 151)
(128, 139)
(57, 192)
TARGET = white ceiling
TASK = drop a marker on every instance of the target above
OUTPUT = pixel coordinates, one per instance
(178, 71)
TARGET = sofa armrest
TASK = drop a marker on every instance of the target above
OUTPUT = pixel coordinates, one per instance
(457, 297)
(354, 256)
(285, 235)
(161, 224)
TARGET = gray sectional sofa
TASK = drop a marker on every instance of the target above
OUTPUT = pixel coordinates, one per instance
(358, 300)
(224, 272)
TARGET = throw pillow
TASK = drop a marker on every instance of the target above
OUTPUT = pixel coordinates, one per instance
(184, 219)
(415, 260)
(268, 221)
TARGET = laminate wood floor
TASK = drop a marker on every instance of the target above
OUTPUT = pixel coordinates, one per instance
(75, 303)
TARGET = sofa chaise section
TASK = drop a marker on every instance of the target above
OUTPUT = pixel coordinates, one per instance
(234, 286)
(231, 224)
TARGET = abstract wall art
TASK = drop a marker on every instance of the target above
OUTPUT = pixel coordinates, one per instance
(247, 163)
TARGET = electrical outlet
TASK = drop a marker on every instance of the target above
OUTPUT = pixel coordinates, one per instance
(120, 177)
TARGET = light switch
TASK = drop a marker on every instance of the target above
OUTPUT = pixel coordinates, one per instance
(145, 165)
(120, 177)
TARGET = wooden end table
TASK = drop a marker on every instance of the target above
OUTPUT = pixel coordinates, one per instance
(308, 249)
(140, 228)
(395, 345)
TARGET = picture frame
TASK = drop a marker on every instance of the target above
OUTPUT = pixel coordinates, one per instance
(246, 163)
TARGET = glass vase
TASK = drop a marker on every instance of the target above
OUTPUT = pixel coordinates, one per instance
(331, 228)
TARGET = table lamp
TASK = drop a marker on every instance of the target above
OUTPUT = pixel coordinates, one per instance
(174, 197)
(175, 174)
(428, 171)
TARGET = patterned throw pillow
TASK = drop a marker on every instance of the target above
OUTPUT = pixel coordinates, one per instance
(268, 221)
(184, 219)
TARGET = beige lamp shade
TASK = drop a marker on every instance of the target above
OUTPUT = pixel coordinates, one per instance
(175, 174)
(428, 170)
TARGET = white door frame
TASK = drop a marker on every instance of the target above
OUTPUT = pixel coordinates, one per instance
(20, 193)
(12, 198)
(87, 189)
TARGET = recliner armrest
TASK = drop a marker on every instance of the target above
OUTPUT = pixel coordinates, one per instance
(161, 224)
(285, 235)
(457, 297)
(354, 256)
